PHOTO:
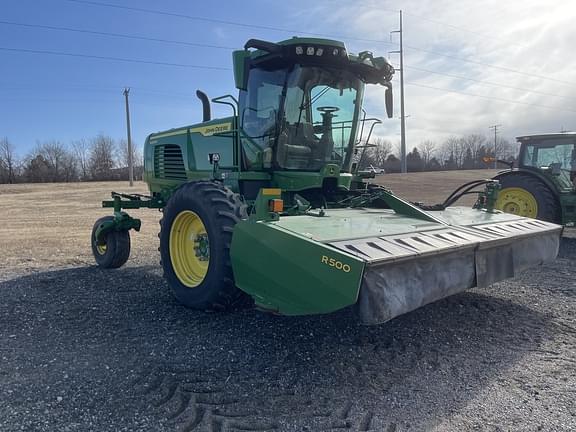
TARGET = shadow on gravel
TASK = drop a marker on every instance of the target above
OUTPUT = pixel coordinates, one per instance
(568, 246)
(113, 348)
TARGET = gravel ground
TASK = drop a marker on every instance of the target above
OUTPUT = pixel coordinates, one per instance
(86, 349)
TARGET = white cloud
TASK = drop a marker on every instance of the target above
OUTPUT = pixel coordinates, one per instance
(531, 36)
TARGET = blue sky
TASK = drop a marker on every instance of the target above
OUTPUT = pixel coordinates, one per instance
(65, 98)
(45, 97)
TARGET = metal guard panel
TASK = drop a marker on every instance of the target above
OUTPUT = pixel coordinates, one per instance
(410, 276)
(391, 248)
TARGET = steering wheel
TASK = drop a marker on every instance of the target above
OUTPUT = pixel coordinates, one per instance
(328, 109)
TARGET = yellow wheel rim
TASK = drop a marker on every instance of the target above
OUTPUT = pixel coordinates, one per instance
(517, 201)
(189, 248)
(101, 249)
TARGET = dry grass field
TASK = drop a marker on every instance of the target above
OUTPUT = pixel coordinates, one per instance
(86, 349)
(48, 225)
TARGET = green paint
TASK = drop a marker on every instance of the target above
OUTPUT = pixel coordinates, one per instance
(261, 208)
(537, 156)
(285, 272)
(276, 147)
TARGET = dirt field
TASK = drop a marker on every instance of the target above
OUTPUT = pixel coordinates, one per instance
(86, 349)
(48, 225)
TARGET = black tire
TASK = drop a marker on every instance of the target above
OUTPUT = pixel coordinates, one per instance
(219, 209)
(548, 207)
(117, 246)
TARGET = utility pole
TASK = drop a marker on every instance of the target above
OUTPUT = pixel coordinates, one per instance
(495, 127)
(402, 116)
(130, 154)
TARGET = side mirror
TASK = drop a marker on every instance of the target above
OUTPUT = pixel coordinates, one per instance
(241, 60)
(389, 99)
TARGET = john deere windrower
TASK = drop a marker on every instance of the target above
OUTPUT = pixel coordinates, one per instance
(269, 202)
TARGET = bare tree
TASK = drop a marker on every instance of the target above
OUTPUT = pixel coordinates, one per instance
(427, 149)
(101, 157)
(375, 155)
(381, 151)
(474, 142)
(453, 149)
(506, 149)
(81, 150)
(51, 161)
(8, 162)
(57, 157)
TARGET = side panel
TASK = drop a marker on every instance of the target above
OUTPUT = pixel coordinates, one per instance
(205, 141)
(180, 155)
(291, 274)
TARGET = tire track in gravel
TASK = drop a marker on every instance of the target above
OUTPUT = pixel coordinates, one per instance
(192, 403)
(245, 371)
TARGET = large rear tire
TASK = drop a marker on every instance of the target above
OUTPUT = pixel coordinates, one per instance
(195, 237)
(115, 250)
(525, 195)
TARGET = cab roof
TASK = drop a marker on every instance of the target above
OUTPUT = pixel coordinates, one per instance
(546, 136)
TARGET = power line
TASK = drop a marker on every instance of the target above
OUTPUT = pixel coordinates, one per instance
(118, 35)
(489, 97)
(219, 21)
(490, 65)
(294, 31)
(451, 26)
(489, 83)
(126, 60)
(119, 59)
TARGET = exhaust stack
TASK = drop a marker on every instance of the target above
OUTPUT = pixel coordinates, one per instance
(206, 114)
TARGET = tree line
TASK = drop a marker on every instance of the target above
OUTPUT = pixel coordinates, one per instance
(456, 152)
(99, 158)
(102, 158)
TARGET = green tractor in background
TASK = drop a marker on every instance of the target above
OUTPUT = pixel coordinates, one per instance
(268, 203)
(544, 184)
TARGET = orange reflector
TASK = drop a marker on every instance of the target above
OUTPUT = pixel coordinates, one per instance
(276, 205)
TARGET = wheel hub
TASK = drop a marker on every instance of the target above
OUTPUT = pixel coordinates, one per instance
(189, 248)
(202, 247)
(517, 201)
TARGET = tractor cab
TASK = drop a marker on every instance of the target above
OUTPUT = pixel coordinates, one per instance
(300, 103)
(544, 184)
(554, 155)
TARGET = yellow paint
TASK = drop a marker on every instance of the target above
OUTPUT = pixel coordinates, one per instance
(188, 267)
(168, 134)
(212, 129)
(101, 249)
(202, 130)
(517, 201)
(332, 262)
(271, 191)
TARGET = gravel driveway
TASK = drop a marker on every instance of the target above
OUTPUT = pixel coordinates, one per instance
(82, 349)
(88, 349)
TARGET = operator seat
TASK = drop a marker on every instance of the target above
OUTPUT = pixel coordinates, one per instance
(295, 145)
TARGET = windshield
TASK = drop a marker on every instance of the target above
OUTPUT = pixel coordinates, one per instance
(309, 112)
(558, 155)
(318, 125)
(259, 107)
